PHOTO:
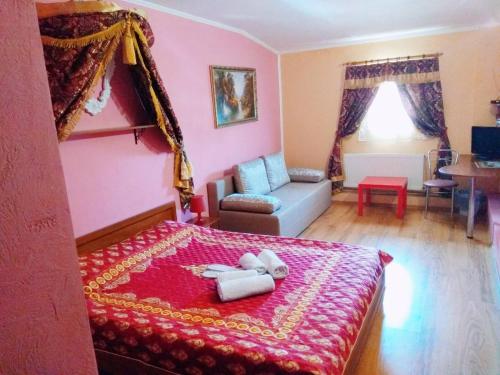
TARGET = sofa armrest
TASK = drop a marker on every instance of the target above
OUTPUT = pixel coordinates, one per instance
(217, 190)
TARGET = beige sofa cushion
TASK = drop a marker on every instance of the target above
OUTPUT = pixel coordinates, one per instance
(265, 204)
(251, 177)
(276, 170)
(306, 175)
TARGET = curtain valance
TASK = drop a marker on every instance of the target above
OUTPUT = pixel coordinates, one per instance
(405, 72)
(78, 47)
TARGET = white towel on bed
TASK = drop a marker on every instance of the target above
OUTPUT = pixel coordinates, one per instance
(221, 268)
(244, 287)
(250, 262)
(274, 265)
(232, 275)
(214, 270)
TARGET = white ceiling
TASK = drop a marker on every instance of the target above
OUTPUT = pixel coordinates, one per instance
(292, 25)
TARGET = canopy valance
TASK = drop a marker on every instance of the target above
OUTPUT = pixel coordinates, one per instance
(79, 40)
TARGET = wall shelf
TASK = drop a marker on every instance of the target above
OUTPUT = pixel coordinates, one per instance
(138, 130)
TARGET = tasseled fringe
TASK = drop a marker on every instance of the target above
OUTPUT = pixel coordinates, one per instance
(138, 31)
(182, 167)
(161, 121)
(111, 32)
(128, 46)
(122, 29)
(65, 132)
(186, 169)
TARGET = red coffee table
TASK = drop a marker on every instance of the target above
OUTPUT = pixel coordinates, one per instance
(399, 184)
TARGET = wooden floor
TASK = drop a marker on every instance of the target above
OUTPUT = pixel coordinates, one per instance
(442, 298)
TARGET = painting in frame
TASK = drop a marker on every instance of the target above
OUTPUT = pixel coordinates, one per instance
(234, 93)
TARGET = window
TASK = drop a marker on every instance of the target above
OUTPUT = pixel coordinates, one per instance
(386, 119)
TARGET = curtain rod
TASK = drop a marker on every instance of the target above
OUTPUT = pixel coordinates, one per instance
(392, 59)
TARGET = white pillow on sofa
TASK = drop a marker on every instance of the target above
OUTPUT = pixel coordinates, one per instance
(277, 173)
(265, 204)
(251, 177)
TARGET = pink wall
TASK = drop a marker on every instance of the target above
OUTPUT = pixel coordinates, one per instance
(110, 178)
(44, 327)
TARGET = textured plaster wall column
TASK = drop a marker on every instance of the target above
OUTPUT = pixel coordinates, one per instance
(43, 323)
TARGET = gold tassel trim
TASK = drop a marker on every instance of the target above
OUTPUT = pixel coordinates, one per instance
(64, 132)
(128, 45)
(160, 119)
(138, 31)
(116, 30)
(182, 167)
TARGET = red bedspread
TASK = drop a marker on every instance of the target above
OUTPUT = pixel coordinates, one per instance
(147, 300)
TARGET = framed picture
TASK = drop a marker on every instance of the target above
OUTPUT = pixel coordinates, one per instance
(234, 93)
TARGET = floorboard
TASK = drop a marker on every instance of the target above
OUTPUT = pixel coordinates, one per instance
(442, 300)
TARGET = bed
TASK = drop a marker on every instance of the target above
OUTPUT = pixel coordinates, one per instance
(151, 311)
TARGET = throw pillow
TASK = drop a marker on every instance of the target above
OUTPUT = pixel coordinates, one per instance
(276, 170)
(251, 177)
(265, 204)
(306, 175)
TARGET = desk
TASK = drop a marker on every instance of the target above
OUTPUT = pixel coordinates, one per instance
(466, 168)
(399, 184)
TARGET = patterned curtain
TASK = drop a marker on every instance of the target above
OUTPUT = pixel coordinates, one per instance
(420, 89)
(79, 40)
(355, 103)
(424, 104)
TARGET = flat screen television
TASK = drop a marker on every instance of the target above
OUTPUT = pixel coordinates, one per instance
(486, 142)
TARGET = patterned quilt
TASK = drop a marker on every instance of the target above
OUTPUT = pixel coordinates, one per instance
(147, 299)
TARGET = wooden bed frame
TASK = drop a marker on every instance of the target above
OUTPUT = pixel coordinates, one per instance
(115, 364)
(124, 229)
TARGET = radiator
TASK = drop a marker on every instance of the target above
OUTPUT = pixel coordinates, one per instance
(358, 166)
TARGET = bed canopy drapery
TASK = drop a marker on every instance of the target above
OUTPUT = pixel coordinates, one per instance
(79, 41)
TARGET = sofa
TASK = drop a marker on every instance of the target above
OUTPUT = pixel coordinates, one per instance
(264, 197)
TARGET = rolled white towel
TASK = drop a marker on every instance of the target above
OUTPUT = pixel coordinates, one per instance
(248, 286)
(232, 275)
(250, 262)
(214, 270)
(221, 268)
(274, 265)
